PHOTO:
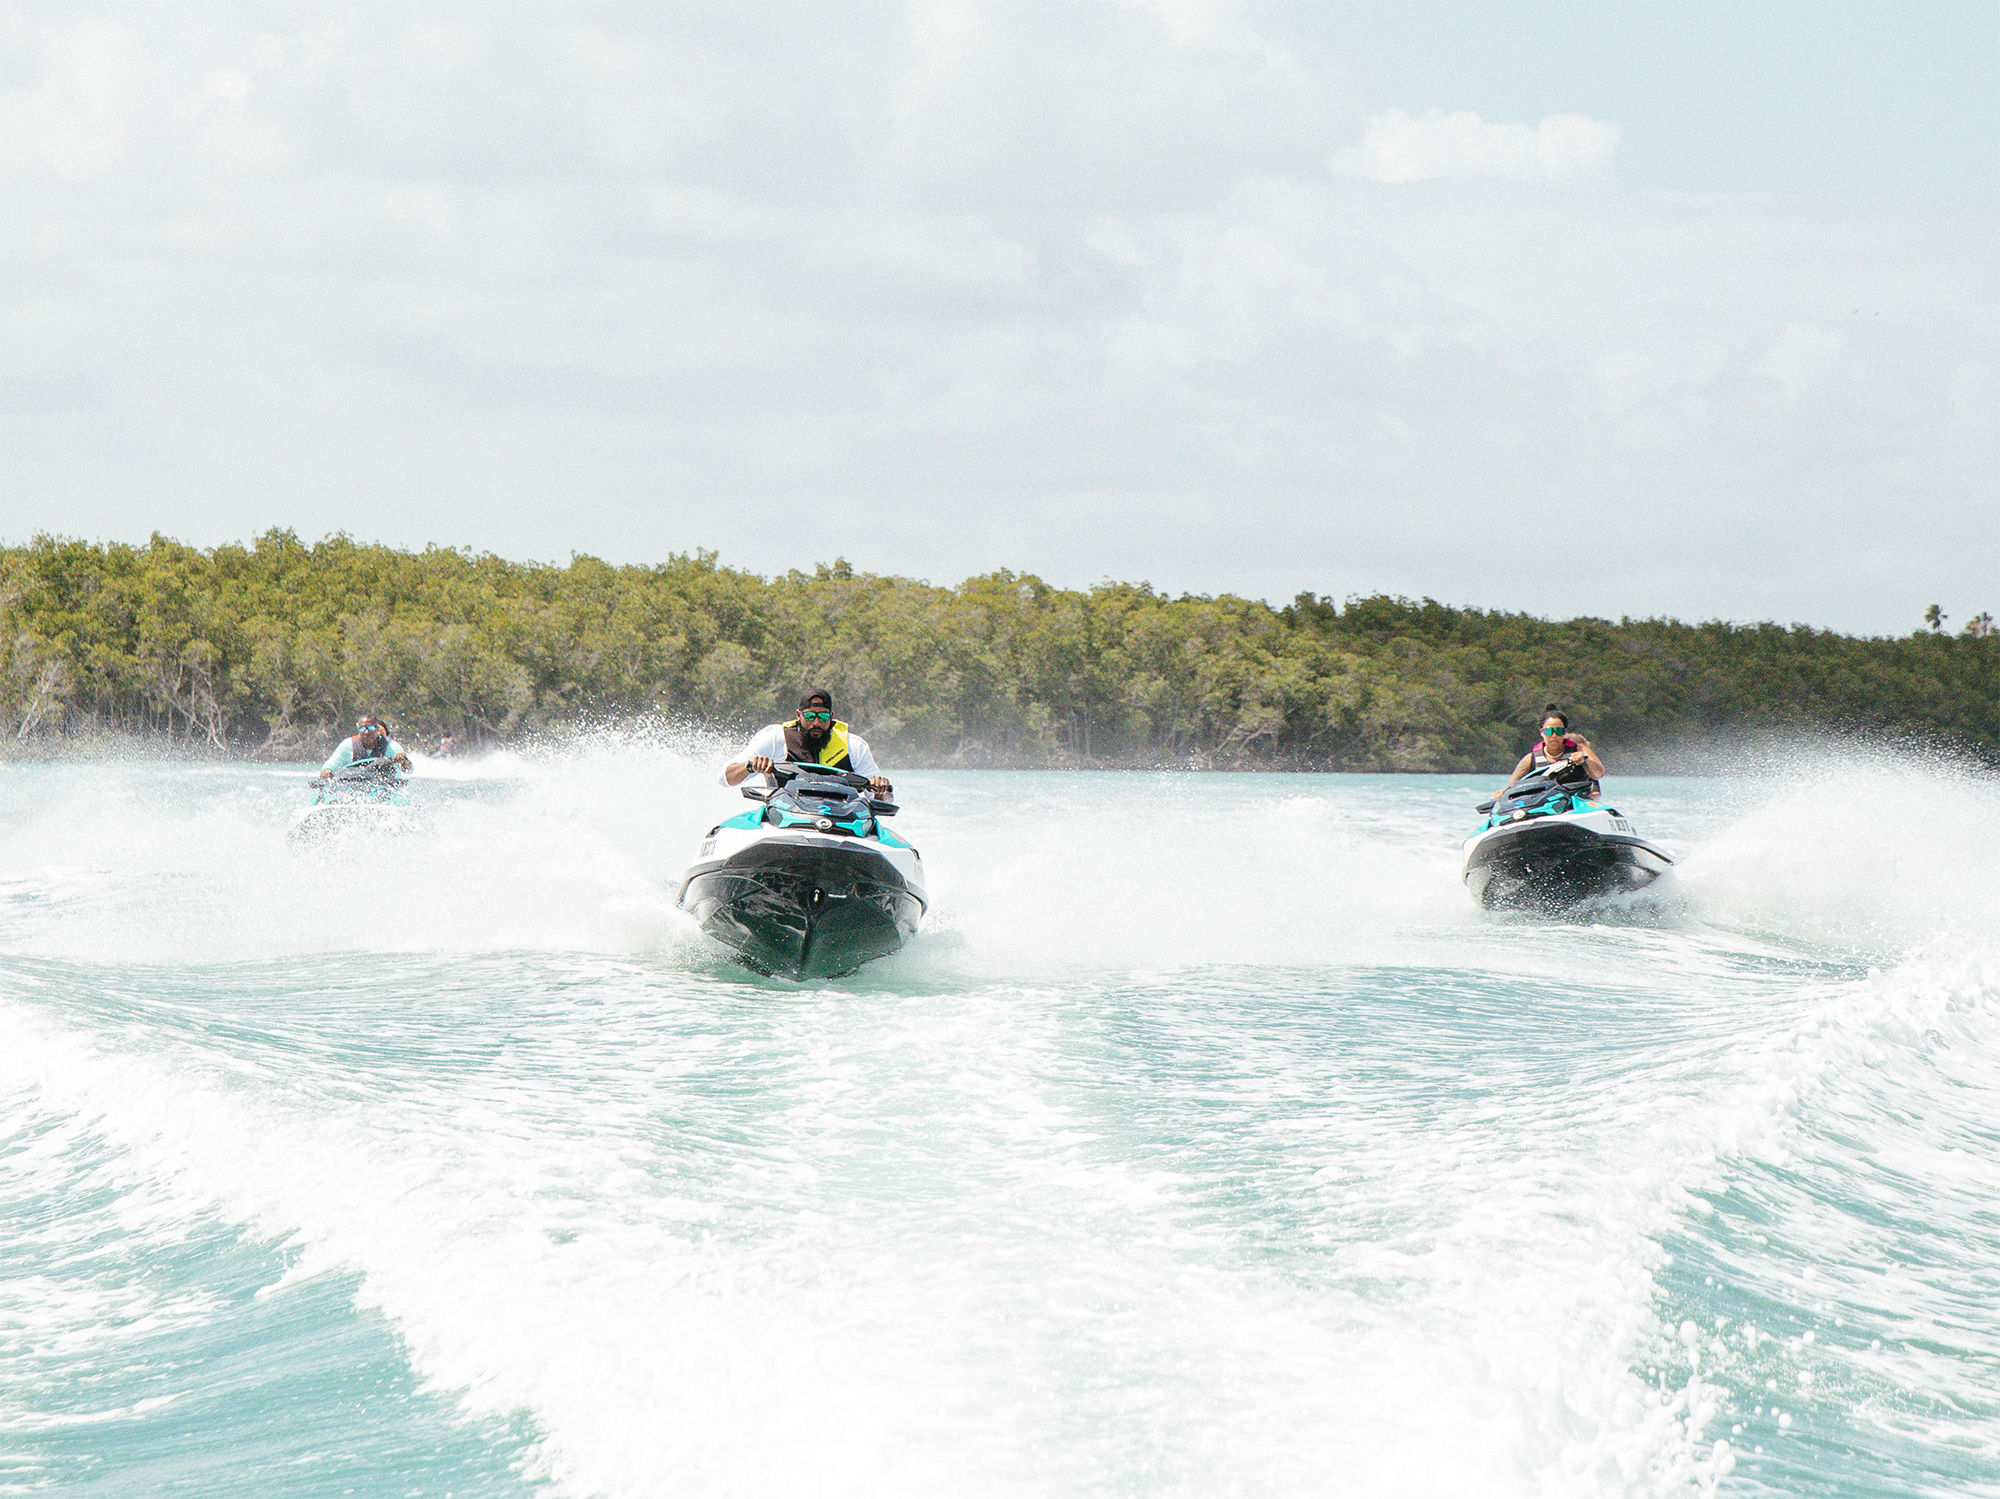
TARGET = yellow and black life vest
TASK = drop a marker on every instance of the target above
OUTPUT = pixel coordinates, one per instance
(833, 752)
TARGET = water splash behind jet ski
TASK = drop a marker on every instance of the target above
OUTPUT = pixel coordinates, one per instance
(809, 885)
(1547, 846)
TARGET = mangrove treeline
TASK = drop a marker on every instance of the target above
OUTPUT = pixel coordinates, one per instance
(273, 649)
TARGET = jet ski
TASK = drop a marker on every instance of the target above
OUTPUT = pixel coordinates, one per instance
(355, 801)
(1548, 845)
(810, 884)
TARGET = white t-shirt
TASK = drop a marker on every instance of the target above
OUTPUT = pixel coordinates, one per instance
(769, 741)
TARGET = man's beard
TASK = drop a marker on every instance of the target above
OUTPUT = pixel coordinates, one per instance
(816, 738)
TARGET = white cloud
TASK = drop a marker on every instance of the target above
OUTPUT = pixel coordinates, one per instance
(73, 121)
(945, 289)
(1973, 393)
(1065, 106)
(1398, 147)
(1803, 360)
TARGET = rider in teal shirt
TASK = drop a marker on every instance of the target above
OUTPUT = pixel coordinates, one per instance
(370, 744)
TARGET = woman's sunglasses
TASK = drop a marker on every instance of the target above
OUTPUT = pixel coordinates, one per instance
(1553, 730)
(815, 717)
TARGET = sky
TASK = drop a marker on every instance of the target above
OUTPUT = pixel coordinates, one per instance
(1619, 309)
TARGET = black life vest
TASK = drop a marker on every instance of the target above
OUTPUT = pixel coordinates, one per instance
(1542, 762)
(833, 752)
(361, 756)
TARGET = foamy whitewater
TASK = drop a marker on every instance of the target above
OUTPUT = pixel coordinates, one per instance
(1208, 1141)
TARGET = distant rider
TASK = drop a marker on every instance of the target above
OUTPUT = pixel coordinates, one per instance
(1557, 743)
(369, 745)
(446, 749)
(813, 737)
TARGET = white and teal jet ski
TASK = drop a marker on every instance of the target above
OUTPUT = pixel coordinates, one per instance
(364, 800)
(1549, 845)
(810, 884)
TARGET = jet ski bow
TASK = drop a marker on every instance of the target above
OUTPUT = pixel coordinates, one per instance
(364, 800)
(1547, 845)
(810, 884)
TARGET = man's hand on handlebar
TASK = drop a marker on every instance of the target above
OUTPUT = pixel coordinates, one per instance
(737, 774)
(878, 786)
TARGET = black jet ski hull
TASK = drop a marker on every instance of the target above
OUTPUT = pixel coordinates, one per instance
(1547, 864)
(804, 909)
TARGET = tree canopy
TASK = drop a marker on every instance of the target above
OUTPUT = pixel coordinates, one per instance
(275, 647)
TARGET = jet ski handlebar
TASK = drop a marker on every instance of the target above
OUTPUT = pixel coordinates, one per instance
(369, 770)
(785, 771)
(790, 770)
(1565, 777)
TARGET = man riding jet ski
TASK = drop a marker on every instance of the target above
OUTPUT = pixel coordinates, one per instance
(360, 788)
(1548, 842)
(814, 737)
(811, 884)
(369, 747)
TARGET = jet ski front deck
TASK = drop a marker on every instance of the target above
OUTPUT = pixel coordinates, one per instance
(812, 886)
(358, 801)
(1548, 847)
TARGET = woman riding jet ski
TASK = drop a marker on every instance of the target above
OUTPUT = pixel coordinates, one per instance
(811, 885)
(1548, 843)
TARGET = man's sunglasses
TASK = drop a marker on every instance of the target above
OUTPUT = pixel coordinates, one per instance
(815, 717)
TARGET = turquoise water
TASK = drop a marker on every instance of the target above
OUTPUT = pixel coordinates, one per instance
(1207, 1142)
